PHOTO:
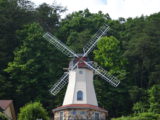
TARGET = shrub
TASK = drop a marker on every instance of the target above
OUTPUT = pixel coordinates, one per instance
(3, 117)
(154, 99)
(141, 116)
(123, 118)
(148, 116)
(33, 111)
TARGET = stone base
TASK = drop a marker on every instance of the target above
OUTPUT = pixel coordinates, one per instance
(80, 112)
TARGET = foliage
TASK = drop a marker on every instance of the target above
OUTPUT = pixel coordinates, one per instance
(29, 65)
(142, 116)
(109, 55)
(48, 16)
(140, 107)
(80, 38)
(6, 86)
(32, 58)
(142, 50)
(33, 111)
(137, 94)
(149, 110)
(154, 99)
(123, 118)
(2, 116)
(11, 19)
(78, 27)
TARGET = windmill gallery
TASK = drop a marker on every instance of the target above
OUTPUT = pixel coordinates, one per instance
(80, 102)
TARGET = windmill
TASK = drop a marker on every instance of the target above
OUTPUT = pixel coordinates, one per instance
(80, 90)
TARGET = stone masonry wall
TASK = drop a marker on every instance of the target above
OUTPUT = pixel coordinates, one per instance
(79, 114)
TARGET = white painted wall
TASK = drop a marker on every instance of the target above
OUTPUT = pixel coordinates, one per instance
(80, 81)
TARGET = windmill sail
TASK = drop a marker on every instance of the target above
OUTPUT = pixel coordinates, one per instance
(92, 43)
(80, 59)
(60, 84)
(103, 74)
(59, 45)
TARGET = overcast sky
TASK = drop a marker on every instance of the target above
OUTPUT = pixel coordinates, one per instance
(115, 8)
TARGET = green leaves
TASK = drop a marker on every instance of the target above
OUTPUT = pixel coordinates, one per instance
(77, 40)
(2, 116)
(154, 99)
(142, 116)
(33, 111)
(32, 69)
(110, 55)
(140, 107)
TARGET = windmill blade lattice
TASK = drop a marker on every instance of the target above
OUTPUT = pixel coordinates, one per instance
(103, 74)
(79, 59)
(59, 45)
(62, 82)
(59, 84)
(92, 43)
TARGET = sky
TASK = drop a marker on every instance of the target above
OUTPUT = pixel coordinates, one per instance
(115, 8)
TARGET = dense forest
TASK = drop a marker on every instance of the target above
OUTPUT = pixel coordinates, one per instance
(29, 65)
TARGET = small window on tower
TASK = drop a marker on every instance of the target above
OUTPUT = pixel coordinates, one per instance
(79, 95)
(61, 115)
(80, 72)
(96, 116)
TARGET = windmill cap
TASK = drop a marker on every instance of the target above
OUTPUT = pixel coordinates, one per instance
(80, 54)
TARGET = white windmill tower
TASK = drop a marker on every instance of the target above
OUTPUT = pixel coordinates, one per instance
(80, 100)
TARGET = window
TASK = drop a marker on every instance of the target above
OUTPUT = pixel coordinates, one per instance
(74, 112)
(96, 116)
(79, 95)
(80, 72)
(61, 115)
(82, 112)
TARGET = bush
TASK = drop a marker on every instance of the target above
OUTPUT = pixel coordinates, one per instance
(154, 99)
(123, 118)
(141, 116)
(3, 117)
(33, 111)
(140, 107)
(148, 116)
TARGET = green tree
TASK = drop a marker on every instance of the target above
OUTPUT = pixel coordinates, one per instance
(154, 99)
(13, 16)
(48, 16)
(140, 53)
(34, 66)
(76, 40)
(138, 94)
(140, 107)
(109, 55)
(6, 85)
(139, 98)
(154, 77)
(79, 26)
(141, 38)
(33, 111)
